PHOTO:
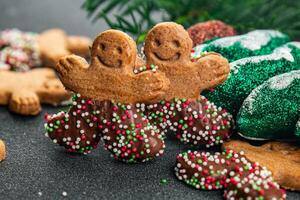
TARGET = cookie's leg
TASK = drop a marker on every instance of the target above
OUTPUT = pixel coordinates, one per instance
(195, 122)
(25, 103)
(128, 135)
(76, 130)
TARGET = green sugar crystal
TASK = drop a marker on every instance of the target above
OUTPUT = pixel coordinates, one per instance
(272, 110)
(254, 43)
(248, 73)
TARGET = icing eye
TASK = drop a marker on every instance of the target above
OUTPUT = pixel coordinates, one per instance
(157, 42)
(176, 43)
(102, 46)
(119, 49)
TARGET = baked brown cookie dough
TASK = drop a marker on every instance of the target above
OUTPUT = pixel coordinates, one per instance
(2, 150)
(169, 46)
(110, 76)
(282, 159)
(24, 92)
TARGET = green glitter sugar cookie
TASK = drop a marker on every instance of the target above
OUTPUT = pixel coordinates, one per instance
(258, 42)
(272, 110)
(248, 73)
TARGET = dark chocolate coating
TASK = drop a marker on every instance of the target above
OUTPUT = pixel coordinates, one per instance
(128, 135)
(196, 122)
(125, 130)
(76, 130)
(230, 170)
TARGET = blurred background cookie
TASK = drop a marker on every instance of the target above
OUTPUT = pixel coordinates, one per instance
(201, 32)
(24, 92)
(22, 51)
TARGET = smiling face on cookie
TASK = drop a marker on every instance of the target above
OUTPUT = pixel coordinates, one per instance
(168, 44)
(114, 49)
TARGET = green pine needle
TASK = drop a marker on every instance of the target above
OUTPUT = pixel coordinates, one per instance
(136, 16)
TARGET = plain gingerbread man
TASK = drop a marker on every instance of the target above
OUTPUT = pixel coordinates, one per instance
(110, 75)
(24, 92)
(168, 46)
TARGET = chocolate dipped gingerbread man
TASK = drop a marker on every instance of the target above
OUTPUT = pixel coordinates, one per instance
(108, 106)
(193, 118)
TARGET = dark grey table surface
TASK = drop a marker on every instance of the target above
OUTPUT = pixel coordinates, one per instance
(38, 169)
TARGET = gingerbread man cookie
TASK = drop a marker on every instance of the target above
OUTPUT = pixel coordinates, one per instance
(110, 75)
(107, 104)
(194, 119)
(168, 46)
(282, 159)
(2, 150)
(54, 44)
(24, 92)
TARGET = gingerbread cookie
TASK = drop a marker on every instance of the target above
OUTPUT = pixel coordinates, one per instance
(24, 92)
(2, 150)
(109, 108)
(282, 159)
(54, 44)
(110, 75)
(168, 46)
(229, 170)
(208, 30)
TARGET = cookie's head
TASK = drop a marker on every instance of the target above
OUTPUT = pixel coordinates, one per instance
(114, 49)
(168, 42)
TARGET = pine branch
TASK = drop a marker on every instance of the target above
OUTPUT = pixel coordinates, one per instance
(136, 16)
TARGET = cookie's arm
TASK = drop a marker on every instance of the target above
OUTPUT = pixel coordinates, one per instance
(150, 87)
(212, 70)
(71, 69)
(25, 103)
